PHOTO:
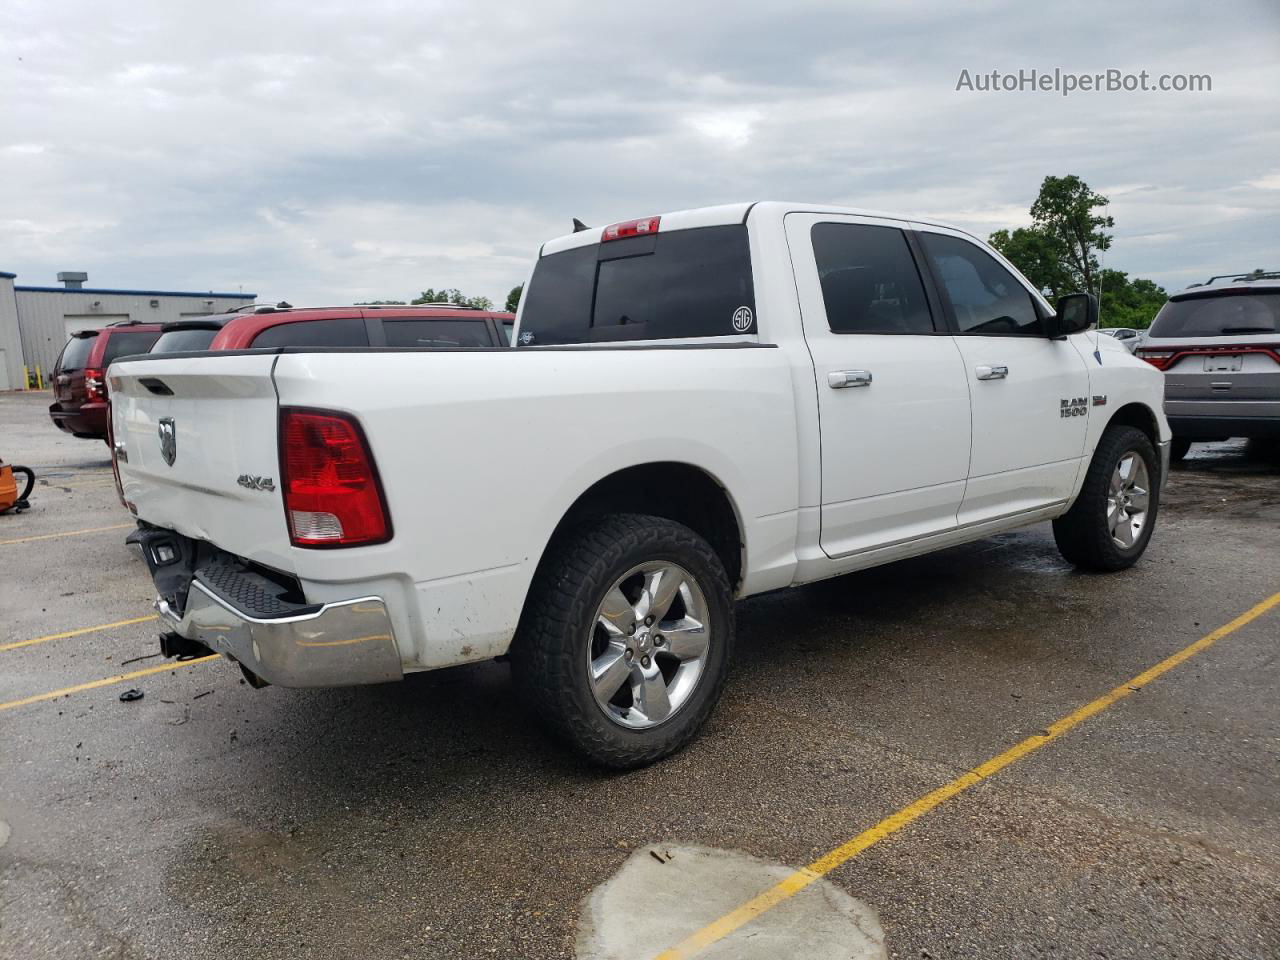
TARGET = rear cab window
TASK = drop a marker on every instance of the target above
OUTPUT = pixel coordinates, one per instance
(1218, 314)
(676, 285)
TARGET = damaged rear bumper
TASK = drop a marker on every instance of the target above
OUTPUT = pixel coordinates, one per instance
(334, 644)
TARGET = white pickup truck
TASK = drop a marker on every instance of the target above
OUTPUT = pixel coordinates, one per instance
(699, 407)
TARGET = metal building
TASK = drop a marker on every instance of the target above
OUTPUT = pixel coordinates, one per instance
(10, 338)
(35, 322)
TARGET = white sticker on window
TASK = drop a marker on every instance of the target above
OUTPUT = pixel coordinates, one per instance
(742, 319)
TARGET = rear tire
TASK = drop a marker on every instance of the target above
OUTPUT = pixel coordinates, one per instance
(1179, 448)
(622, 686)
(1110, 524)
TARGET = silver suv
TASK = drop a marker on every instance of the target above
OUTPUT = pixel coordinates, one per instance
(1219, 345)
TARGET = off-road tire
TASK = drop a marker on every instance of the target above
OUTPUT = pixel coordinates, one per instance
(549, 655)
(1082, 533)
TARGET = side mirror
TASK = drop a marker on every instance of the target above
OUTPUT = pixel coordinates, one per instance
(1076, 312)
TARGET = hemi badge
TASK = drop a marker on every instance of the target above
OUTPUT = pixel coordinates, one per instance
(1099, 400)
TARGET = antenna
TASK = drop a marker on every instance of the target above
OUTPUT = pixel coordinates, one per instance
(1097, 331)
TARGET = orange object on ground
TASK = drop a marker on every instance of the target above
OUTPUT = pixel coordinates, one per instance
(9, 497)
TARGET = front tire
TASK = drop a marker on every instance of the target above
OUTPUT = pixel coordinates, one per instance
(624, 646)
(1110, 524)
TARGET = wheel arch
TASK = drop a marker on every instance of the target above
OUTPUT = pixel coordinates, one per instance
(1137, 415)
(676, 490)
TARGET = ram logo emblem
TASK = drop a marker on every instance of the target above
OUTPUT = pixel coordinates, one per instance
(168, 440)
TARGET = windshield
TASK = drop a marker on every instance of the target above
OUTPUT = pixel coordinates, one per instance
(1219, 315)
(185, 339)
(76, 353)
(686, 283)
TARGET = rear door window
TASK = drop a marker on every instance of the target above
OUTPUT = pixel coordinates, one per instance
(127, 344)
(984, 296)
(430, 332)
(76, 353)
(1219, 315)
(870, 283)
(186, 339)
(331, 332)
(685, 283)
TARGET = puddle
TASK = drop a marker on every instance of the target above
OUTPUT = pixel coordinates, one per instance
(664, 893)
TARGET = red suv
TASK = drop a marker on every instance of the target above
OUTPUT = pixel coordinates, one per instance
(79, 376)
(426, 325)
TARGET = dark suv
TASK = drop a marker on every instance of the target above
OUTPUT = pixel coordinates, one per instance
(1219, 345)
(426, 325)
(79, 376)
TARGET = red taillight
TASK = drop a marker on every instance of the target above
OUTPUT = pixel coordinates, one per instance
(1157, 358)
(631, 228)
(332, 496)
(95, 384)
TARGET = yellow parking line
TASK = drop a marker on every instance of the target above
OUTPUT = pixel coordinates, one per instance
(69, 533)
(717, 930)
(74, 633)
(104, 682)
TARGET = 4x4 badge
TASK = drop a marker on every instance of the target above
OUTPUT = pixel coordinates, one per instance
(168, 440)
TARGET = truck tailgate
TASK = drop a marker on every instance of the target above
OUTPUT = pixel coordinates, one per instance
(199, 441)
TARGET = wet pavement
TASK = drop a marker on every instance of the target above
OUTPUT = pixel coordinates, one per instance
(432, 818)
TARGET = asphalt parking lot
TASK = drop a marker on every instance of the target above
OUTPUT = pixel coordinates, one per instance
(432, 819)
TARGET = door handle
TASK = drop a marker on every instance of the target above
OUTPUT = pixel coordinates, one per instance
(991, 372)
(840, 379)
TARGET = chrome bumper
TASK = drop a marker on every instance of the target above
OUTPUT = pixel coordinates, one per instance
(1165, 450)
(339, 644)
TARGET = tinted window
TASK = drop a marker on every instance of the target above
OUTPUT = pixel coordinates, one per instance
(126, 345)
(869, 280)
(335, 332)
(1221, 315)
(436, 333)
(507, 326)
(76, 353)
(190, 338)
(985, 296)
(686, 283)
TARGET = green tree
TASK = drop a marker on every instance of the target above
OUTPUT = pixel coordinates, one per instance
(513, 298)
(1059, 251)
(1128, 303)
(1065, 210)
(455, 296)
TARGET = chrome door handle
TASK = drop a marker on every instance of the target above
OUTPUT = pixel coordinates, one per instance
(840, 379)
(988, 372)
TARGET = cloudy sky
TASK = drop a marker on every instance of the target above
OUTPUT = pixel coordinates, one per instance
(326, 151)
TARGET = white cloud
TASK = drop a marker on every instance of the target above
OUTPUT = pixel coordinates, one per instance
(314, 151)
(729, 128)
